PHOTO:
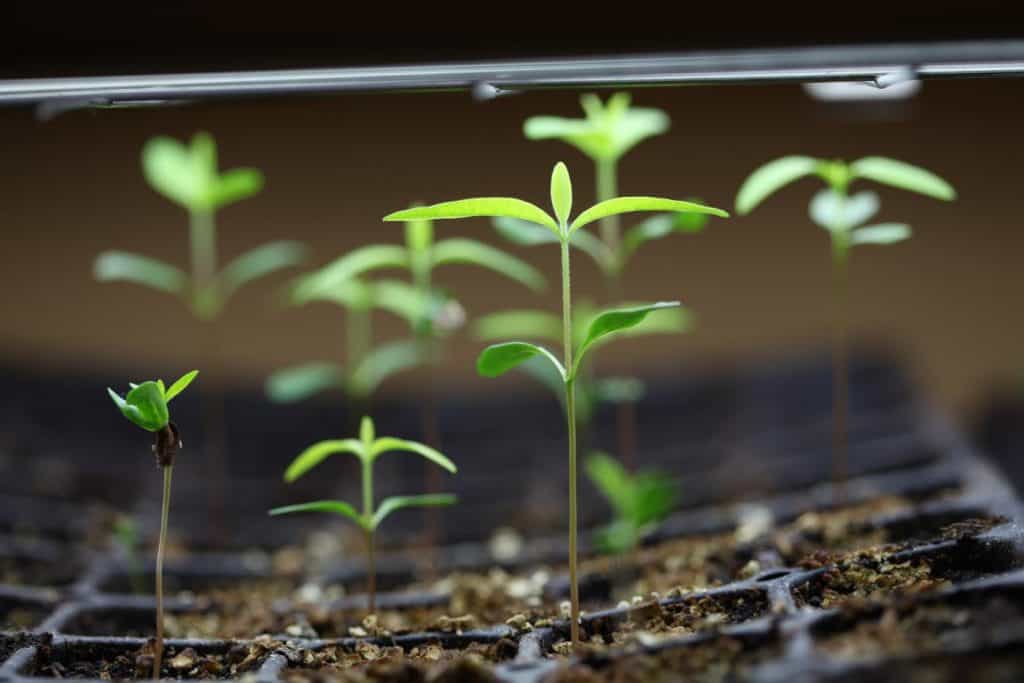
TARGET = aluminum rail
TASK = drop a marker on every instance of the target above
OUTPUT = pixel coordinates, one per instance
(871, 64)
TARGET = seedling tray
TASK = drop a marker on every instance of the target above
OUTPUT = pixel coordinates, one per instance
(932, 584)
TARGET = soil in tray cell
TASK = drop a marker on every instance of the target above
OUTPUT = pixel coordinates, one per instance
(380, 664)
(24, 570)
(112, 661)
(21, 615)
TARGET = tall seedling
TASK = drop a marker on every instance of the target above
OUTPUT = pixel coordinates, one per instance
(145, 405)
(499, 358)
(844, 216)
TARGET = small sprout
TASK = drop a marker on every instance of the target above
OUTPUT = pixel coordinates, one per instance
(145, 405)
(843, 216)
(499, 358)
(126, 537)
(639, 501)
(367, 448)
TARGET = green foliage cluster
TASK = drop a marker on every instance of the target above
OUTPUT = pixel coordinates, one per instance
(639, 501)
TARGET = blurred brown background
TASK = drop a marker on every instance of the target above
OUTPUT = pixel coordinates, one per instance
(759, 284)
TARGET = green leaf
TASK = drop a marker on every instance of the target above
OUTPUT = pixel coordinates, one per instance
(654, 496)
(337, 507)
(561, 193)
(144, 406)
(170, 169)
(458, 250)
(261, 261)
(615, 320)
(612, 480)
(498, 359)
(519, 323)
(382, 362)
(881, 233)
(666, 321)
(386, 444)
(302, 381)
(367, 434)
(771, 177)
(351, 265)
(612, 207)
(111, 266)
(180, 385)
(389, 505)
(478, 207)
(904, 176)
(530, 234)
(836, 214)
(318, 452)
(232, 186)
(660, 226)
(352, 293)
(403, 300)
(619, 537)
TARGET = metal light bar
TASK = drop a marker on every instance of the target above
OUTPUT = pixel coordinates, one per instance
(488, 79)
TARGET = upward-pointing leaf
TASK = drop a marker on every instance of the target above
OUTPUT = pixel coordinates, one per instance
(389, 505)
(613, 321)
(144, 405)
(180, 385)
(458, 250)
(498, 359)
(561, 193)
(318, 452)
(838, 214)
(382, 362)
(904, 176)
(478, 207)
(387, 444)
(170, 169)
(337, 507)
(771, 177)
(261, 261)
(352, 264)
(612, 480)
(519, 323)
(111, 266)
(232, 186)
(620, 205)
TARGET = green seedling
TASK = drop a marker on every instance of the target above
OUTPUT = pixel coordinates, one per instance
(639, 502)
(605, 134)
(145, 405)
(843, 216)
(499, 358)
(126, 538)
(367, 448)
(188, 176)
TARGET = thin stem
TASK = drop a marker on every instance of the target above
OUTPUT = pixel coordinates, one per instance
(371, 569)
(570, 416)
(203, 252)
(158, 648)
(840, 366)
(358, 335)
(607, 188)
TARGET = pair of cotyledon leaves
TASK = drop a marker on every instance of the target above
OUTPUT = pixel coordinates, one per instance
(145, 404)
(499, 358)
(637, 500)
(835, 212)
(188, 176)
(367, 448)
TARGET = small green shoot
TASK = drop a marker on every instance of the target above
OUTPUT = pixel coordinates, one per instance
(639, 502)
(499, 358)
(843, 216)
(188, 176)
(145, 405)
(367, 448)
(127, 539)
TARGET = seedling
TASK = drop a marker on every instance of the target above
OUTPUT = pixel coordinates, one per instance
(499, 358)
(843, 215)
(145, 405)
(639, 502)
(126, 537)
(606, 133)
(367, 448)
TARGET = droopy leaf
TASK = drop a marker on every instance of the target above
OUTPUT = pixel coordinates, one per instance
(179, 385)
(318, 452)
(261, 261)
(352, 264)
(613, 321)
(111, 266)
(389, 505)
(299, 382)
(771, 177)
(660, 226)
(337, 507)
(144, 405)
(382, 362)
(498, 359)
(619, 205)
(881, 233)
(519, 323)
(386, 444)
(530, 234)
(403, 299)
(904, 176)
(835, 213)
(478, 207)
(458, 250)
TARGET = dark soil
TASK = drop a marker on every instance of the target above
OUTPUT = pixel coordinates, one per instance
(18, 615)
(20, 570)
(12, 642)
